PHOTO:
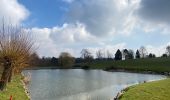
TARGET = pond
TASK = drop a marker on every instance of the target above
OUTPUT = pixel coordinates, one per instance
(78, 84)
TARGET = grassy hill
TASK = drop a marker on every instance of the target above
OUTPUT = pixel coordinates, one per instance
(158, 90)
(148, 64)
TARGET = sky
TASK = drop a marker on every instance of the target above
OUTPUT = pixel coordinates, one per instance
(108, 25)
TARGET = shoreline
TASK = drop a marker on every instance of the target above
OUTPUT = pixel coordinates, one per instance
(25, 88)
(124, 90)
(139, 72)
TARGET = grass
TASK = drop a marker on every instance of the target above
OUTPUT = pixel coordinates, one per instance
(147, 64)
(15, 89)
(157, 90)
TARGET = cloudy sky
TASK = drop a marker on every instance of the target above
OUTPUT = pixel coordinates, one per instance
(71, 25)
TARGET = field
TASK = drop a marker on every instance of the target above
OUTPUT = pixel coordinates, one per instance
(158, 90)
(158, 65)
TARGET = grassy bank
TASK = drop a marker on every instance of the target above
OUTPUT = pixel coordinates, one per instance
(147, 64)
(158, 90)
(15, 89)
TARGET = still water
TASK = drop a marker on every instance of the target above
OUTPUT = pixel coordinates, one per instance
(78, 84)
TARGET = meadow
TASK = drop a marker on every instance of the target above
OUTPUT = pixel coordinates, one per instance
(157, 65)
(157, 90)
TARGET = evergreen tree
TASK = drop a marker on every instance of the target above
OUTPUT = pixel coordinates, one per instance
(118, 55)
(152, 55)
(164, 55)
(137, 54)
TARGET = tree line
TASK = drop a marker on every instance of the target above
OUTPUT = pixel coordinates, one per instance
(66, 60)
(122, 54)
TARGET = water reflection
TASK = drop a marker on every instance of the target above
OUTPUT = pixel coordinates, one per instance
(77, 84)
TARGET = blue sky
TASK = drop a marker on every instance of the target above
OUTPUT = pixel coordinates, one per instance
(45, 13)
(71, 25)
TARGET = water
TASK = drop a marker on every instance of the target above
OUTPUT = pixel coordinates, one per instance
(77, 84)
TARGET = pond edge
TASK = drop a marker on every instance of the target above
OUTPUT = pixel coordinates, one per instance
(25, 88)
(121, 92)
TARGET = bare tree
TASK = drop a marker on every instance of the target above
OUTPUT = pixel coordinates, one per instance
(168, 50)
(131, 54)
(143, 52)
(99, 54)
(125, 54)
(86, 55)
(16, 45)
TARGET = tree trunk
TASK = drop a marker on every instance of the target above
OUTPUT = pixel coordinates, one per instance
(5, 74)
(4, 78)
(10, 75)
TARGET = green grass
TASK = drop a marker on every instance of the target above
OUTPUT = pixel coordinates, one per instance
(157, 90)
(15, 89)
(147, 64)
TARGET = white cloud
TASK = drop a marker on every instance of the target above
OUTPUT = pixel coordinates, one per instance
(166, 30)
(69, 38)
(46, 46)
(158, 50)
(109, 17)
(12, 11)
(153, 15)
(71, 33)
(104, 17)
(73, 38)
